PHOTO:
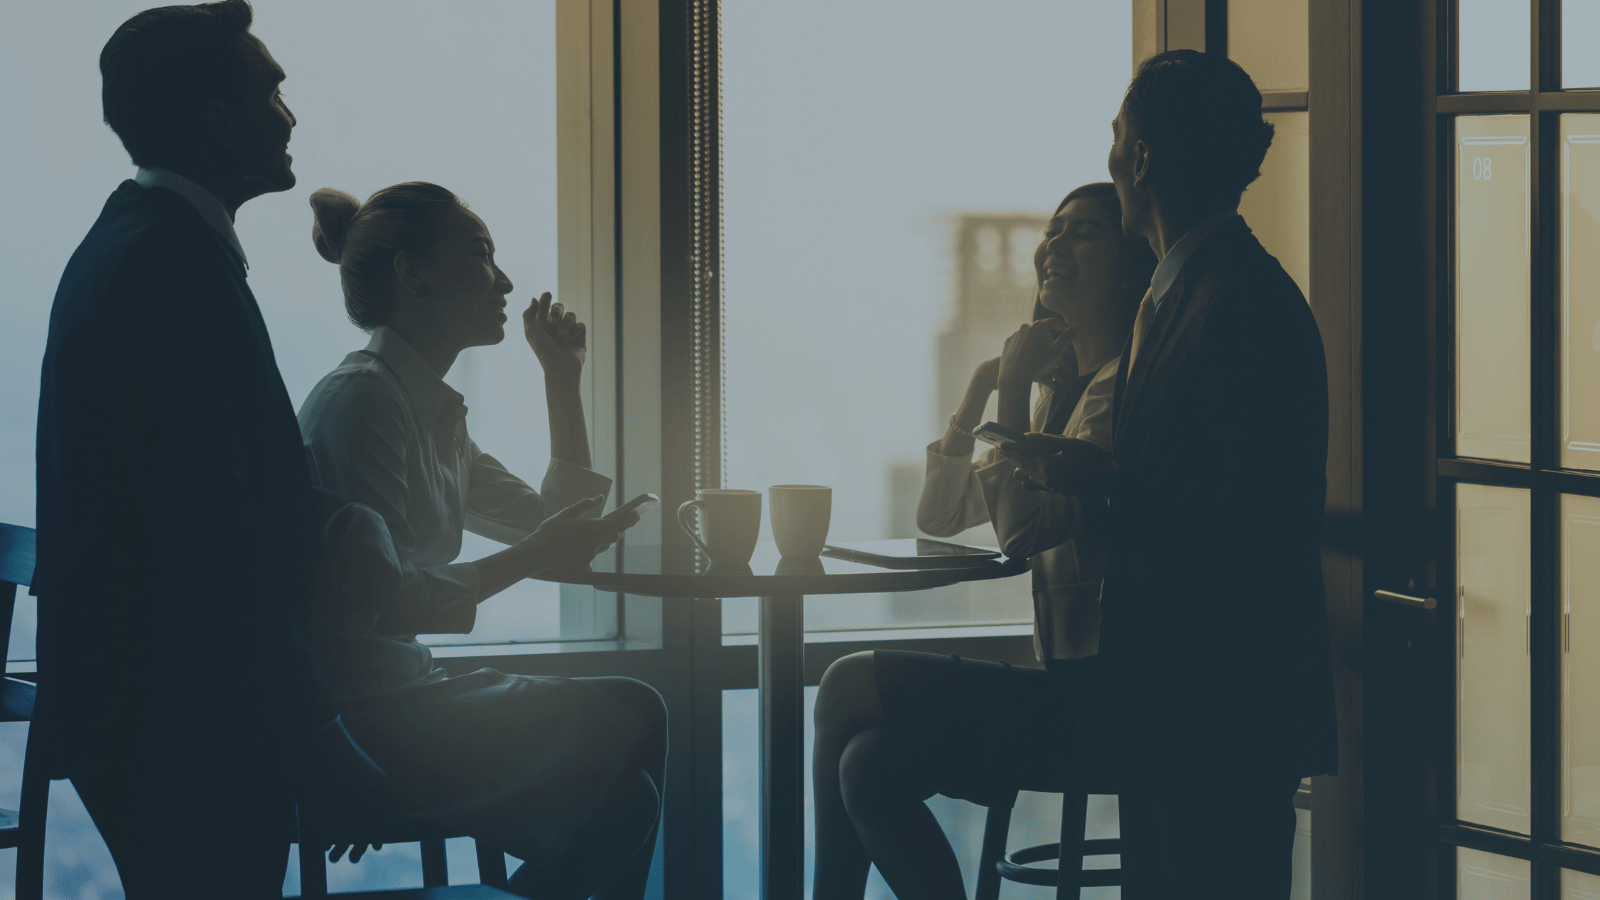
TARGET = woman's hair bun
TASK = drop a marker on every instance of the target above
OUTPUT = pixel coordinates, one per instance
(332, 210)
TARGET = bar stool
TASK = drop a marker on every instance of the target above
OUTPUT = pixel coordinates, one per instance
(319, 829)
(1069, 877)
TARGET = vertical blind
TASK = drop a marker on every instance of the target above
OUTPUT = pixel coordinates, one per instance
(705, 37)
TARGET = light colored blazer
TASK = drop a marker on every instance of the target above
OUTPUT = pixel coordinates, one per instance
(1068, 558)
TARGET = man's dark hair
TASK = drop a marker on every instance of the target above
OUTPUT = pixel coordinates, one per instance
(1201, 116)
(163, 65)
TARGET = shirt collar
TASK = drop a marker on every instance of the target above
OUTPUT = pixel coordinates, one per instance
(428, 391)
(204, 202)
(1171, 264)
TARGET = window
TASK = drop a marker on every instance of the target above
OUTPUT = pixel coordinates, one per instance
(442, 111)
(1516, 475)
(888, 172)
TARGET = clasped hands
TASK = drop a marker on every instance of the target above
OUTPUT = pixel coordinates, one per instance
(1071, 466)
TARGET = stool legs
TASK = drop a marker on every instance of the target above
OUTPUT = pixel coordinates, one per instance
(995, 827)
(313, 871)
(1074, 822)
(434, 873)
(31, 816)
(491, 865)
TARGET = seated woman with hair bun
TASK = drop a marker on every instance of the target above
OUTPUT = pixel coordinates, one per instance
(563, 773)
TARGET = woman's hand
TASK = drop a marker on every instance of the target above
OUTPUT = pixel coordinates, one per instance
(558, 339)
(1070, 466)
(1031, 351)
(569, 539)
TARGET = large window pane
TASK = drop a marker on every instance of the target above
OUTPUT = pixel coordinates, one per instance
(1278, 205)
(1492, 786)
(1580, 670)
(1270, 39)
(499, 156)
(1492, 287)
(1485, 876)
(857, 139)
(1579, 885)
(1493, 44)
(357, 132)
(1580, 22)
(1580, 292)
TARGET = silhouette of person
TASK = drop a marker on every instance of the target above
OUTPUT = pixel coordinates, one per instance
(1214, 647)
(563, 773)
(174, 499)
(894, 727)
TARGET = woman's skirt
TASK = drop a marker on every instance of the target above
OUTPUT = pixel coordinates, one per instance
(985, 729)
(521, 762)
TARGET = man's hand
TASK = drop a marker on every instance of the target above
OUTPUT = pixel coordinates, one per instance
(1064, 465)
(1032, 350)
(558, 339)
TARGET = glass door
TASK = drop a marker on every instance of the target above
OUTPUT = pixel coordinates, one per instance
(1515, 462)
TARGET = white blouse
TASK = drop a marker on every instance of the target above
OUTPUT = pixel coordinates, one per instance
(1053, 529)
(385, 431)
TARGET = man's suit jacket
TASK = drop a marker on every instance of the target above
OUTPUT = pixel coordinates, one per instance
(174, 504)
(1214, 629)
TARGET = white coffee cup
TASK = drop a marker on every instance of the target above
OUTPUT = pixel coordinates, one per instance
(730, 522)
(800, 516)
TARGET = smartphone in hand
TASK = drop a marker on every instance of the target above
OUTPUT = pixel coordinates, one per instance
(642, 504)
(996, 434)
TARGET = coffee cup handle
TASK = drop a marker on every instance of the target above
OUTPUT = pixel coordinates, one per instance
(683, 522)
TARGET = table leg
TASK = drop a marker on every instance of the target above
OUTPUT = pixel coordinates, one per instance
(781, 652)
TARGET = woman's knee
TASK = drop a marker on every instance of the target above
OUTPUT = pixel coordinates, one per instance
(869, 772)
(631, 810)
(848, 694)
(642, 699)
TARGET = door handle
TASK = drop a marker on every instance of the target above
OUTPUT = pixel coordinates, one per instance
(1406, 599)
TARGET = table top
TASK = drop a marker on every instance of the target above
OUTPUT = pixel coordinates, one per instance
(643, 570)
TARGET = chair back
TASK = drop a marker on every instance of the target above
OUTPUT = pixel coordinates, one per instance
(19, 554)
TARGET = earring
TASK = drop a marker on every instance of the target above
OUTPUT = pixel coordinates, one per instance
(422, 292)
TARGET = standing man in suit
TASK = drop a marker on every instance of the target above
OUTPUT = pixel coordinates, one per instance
(1214, 634)
(1216, 674)
(174, 503)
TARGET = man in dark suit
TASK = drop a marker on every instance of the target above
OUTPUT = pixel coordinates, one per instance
(1217, 676)
(174, 504)
(1214, 632)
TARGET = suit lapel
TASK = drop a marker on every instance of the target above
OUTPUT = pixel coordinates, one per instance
(1157, 347)
(1155, 341)
(1117, 405)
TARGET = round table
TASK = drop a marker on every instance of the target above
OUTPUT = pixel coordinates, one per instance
(782, 585)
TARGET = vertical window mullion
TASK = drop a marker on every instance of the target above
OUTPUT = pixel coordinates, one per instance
(1546, 45)
(1545, 621)
(1544, 649)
